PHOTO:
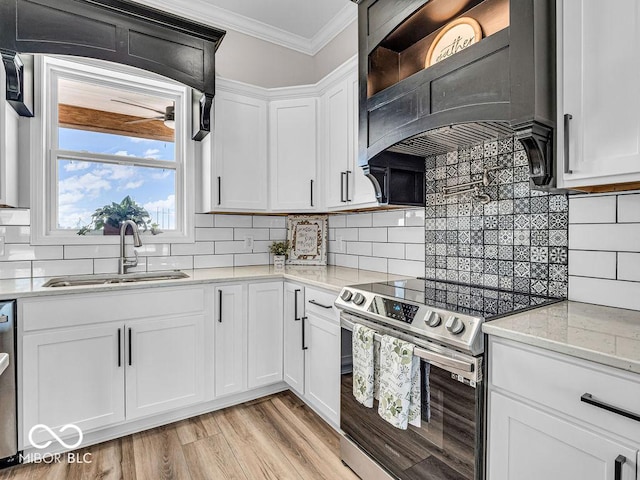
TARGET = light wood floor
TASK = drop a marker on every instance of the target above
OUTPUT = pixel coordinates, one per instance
(277, 437)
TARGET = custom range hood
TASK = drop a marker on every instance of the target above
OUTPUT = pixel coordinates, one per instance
(411, 107)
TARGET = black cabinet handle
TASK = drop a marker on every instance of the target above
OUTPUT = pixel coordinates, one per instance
(620, 460)
(311, 182)
(588, 398)
(304, 340)
(119, 347)
(130, 349)
(567, 148)
(347, 186)
(319, 304)
(342, 175)
(219, 306)
(295, 304)
(219, 190)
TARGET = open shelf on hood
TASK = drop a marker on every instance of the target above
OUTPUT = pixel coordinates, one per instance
(403, 52)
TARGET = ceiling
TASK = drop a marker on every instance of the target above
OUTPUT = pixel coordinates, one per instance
(302, 25)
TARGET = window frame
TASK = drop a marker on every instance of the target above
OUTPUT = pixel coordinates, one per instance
(45, 152)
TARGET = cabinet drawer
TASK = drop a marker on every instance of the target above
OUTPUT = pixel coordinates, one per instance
(321, 303)
(84, 309)
(559, 381)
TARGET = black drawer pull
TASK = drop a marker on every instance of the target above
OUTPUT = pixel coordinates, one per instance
(295, 304)
(620, 460)
(119, 347)
(588, 398)
(319, 304)
(304, 336)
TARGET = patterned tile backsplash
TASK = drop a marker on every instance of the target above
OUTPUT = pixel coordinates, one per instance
(517, 241)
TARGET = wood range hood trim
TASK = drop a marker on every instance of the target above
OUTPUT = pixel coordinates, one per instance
(503, 85)
(118, 31)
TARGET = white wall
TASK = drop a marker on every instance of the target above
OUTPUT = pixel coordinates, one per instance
(604, 249)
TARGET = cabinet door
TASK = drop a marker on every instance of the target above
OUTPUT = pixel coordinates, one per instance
(322, 365)
(240, 153)
(293, 154)
(73, 376)
(337, 144)
(293, 352)
(230, 320)
(528, 444)
(265, 334)
(8, 148)
(361, 191)
(165, 364)
(600, 68)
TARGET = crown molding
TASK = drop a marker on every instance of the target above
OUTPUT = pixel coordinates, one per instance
(200, 10)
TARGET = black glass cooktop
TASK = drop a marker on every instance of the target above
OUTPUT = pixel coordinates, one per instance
(487, 303)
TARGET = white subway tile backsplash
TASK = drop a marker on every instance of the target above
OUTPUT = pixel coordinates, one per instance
(213, 234)
(614, 293)
(231, 247)
(359, 248)
(350, 261)
(406, 235)
(197, 248)
(414, 218)
(359, 220)
(233, 221)
(592, 264)
(155, 264)
(629, 208)
(388, 250)
(406, 267)
(16, 234)
(389, 218)
(15, 270)
(212, 261)
(256, 233)
(260, 221)
(629, 266)
(337, 221)
(19, 251)
(241, 260)
(91, 251)
(415, 252)
(592, 209)
(53, 268)
(607, 237)
(374, 264)
(372, 234)
(278, 234)
(153, 249)
(261, 246)
(347, 234)
(12, 216)
(204, 220)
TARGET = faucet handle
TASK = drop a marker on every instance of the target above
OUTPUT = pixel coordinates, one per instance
(135, 259)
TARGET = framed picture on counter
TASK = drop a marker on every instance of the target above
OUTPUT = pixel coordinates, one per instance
(307, 235)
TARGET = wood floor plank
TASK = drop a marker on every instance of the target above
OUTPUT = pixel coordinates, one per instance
(210, 424)
(211, 459)
(257, 454)
(103, 462)
(158, 455)
(190, 430)
(127, 459)
(305, 449)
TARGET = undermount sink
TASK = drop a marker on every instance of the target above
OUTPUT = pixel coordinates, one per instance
(104, 279)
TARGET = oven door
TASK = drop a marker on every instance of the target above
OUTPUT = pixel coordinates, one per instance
(446, 446)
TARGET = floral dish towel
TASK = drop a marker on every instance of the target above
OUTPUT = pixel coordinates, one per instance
(362, 348)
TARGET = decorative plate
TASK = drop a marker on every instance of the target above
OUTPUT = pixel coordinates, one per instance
(454, 37)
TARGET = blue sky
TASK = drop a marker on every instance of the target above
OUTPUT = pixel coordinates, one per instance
(85, 186)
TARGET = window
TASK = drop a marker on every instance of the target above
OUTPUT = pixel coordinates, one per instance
(108, 134)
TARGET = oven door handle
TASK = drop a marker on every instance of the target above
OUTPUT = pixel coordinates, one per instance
(436, 358)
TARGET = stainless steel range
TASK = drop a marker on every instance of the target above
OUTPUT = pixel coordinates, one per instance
(443, 320)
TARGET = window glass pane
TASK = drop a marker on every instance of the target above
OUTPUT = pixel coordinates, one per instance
(85, 186)
(99, 119)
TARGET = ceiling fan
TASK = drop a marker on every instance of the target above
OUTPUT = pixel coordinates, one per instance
(167, 117)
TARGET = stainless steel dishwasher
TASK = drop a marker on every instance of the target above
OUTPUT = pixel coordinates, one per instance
(8, 413)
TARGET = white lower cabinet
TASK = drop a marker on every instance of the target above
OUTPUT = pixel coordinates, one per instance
(230, 349)
(293, 352)
(265, 334)
(73, 376)
(538, 428)
(165, 364)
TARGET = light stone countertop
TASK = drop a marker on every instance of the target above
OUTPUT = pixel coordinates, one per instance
(606, 335)
(329, 278)
(4, 362)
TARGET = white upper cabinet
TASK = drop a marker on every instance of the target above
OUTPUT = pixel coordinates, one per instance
(235, 164)
(599, 98)
(345, 183)
(293, 154)
(8, 149)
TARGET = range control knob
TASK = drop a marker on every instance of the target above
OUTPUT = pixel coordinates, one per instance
(346, 295)
(358, 299)
(455, 325)
(433, 319)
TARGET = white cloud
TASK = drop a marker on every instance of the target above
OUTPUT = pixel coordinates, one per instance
(139, 140)
(133, 185)
(124, 153)
(116, 172)
(161, 175)
(151, 153)
(75, 166)
(167, 204)
(89, 183)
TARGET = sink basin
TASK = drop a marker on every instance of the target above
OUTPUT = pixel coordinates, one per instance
(104, 279)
